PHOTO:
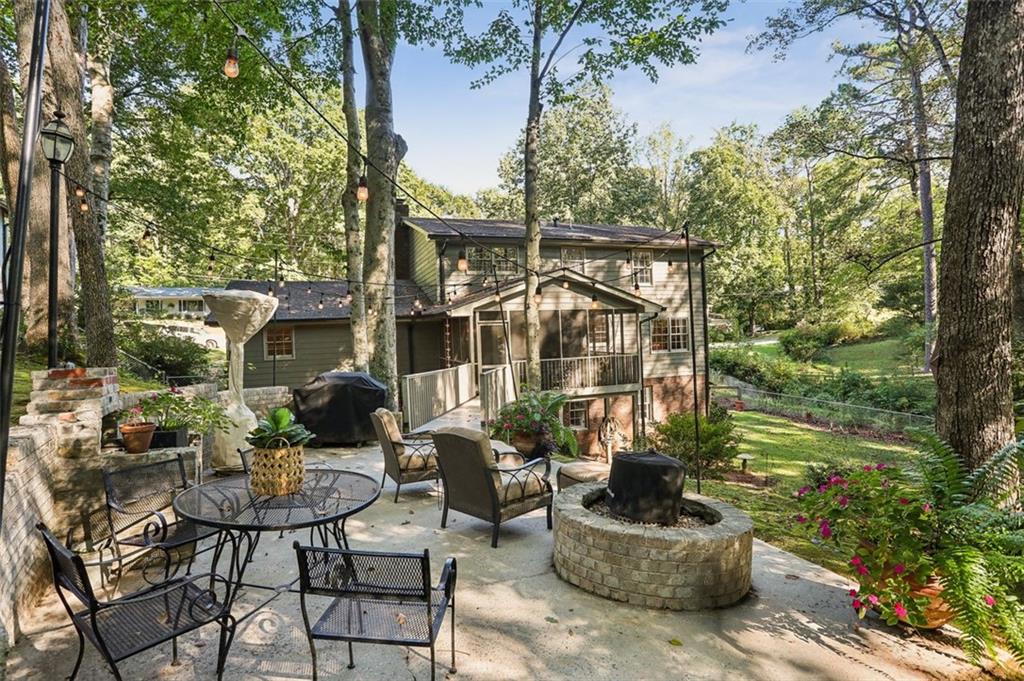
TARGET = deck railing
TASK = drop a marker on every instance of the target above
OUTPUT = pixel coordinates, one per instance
(427, 395)
(496, 390)
(592, 371)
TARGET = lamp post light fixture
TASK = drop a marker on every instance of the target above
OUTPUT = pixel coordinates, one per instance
(58, 145)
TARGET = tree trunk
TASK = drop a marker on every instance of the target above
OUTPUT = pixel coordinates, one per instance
(813, 223)
(787, 256)
(531, 199)
(973, 356)
(102, 96)
(10, 143)
(349, 202)
(377, 34)
(36, 272)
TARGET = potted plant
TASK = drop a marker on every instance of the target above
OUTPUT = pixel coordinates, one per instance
(177, 414)
(136, 431)
(534, 420)
(277, 463)
(931, 544)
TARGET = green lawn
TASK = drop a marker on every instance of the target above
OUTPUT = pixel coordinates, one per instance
(783, 449)
(24, 367)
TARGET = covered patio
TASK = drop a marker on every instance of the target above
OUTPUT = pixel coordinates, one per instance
(518, 620)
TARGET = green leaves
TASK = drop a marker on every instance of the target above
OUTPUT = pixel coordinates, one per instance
(278, 429)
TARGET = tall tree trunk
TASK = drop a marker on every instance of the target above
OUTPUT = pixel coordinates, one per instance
(927, 28)
(36, 273)
(377, 34)
(531, 199)
(813, 223)
(10, 142)
(349, 202)
(101, 153)
(973, 356)
(787, 257)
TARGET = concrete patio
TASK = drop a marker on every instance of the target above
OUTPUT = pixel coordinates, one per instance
(518, 620)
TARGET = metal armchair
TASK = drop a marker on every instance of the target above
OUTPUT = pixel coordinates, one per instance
(375, 598)
(140, 514)
(408, 457)
(136, 622)
(475, 484)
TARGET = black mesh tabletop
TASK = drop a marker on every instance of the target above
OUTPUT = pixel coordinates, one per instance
(229, 503)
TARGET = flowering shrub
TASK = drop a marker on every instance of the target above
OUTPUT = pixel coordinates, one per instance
(935, 522)
(535, 414)
(173, 409)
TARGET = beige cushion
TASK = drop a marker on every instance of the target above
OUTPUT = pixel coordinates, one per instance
(477, 444)
(415, 462)
(526, 484)
(582, 471)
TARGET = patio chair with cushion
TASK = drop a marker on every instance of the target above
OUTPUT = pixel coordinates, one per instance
(139, 509)
(408, 457)
(375, 598)
(478, 486)
(136, 622)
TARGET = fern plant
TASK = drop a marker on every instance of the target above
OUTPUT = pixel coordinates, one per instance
(934, 522)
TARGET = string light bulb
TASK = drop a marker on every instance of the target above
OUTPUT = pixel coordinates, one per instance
(362, 191)
(462, 264)
(270, 289)
(417, 303)
(209, 266)
(309, 290)
(280, 283)
(593, 302)
(341, 302)
(79, 191)
(538, 295)
(320, 305)
(636, 287)
(231, 61)
(348, 297)
(84, 206)
(565, 284)
(497, 295)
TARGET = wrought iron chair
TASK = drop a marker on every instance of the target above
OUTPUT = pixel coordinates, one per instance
(408, 457)
(475, 484)
(138, 500)
(136, 622)
(375, 598)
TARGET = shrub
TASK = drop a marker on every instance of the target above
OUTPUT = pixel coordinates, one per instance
(158, 348)
(536, 414)
(807, 340)
(772, 374)
(719, 443)
(819, 473)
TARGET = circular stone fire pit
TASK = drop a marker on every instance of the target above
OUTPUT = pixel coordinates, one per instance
(676, 568)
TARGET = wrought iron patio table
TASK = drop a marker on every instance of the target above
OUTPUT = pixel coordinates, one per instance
(326, 500)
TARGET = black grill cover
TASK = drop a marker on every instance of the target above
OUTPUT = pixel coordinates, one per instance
(336, 405)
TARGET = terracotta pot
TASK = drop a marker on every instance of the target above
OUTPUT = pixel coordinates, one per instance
(277, 472)
(739, 405)
(524, 443)
(137, 436)
(938, 611)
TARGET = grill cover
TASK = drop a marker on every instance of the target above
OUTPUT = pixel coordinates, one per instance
(646, 487)
(336, 405)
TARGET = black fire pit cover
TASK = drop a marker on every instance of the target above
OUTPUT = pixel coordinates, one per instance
(646, 487)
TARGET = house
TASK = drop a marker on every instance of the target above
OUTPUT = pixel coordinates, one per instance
(616, 333)
(170, 302)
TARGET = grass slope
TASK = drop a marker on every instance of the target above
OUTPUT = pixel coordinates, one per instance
(783, 449)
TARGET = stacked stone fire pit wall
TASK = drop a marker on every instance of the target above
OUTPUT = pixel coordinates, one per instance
(658, 567)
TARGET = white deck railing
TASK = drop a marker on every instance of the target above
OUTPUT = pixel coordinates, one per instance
(496, 390)
(592, 371)
(427, 395)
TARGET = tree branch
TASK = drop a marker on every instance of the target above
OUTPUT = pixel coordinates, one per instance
(561, 37)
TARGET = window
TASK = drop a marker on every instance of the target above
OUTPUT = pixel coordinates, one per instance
(574, 259)
(598, 331)
(502, 258)
(195, 306)
(154, 307)
(643, 267)
(279, 342)
(669, 334)
(576, 414)
(649, 404)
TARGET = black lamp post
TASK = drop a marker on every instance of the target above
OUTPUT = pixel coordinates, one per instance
(3, 251)
(58, 145)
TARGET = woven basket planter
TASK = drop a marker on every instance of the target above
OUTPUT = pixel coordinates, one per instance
(276, 472)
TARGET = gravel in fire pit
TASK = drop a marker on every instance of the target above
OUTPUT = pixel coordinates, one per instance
(685, 519)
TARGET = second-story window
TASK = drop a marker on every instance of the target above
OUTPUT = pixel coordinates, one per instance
(643, 267)
(503, 259)
(574, 258)
(669, 334)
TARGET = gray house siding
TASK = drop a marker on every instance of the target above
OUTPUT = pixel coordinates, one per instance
(423, 263)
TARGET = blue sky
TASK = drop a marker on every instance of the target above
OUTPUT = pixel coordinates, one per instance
(456, 134)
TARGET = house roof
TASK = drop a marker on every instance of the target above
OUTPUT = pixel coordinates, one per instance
(169, 291)
(632, 235)
(299, 305)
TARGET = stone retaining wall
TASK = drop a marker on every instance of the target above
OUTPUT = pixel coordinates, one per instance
(656, 567)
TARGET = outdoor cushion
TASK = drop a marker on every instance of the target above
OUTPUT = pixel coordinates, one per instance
(525, 484)
(416, 462)
(394, 433)
(582, 471)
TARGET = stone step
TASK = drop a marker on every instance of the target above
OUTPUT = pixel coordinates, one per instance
(77, 372)
(73, 382)
(68, 394)
(99, 405)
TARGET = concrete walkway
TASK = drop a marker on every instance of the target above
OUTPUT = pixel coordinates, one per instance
(518, 620)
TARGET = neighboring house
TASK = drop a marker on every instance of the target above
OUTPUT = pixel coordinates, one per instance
(614, 310)
(170, 302)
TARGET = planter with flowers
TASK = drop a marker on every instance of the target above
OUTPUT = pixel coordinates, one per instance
(136, 431)
(177, 414)
(931, 544)
(533, 423)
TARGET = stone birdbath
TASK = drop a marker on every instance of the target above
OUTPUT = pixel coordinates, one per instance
(241, 314)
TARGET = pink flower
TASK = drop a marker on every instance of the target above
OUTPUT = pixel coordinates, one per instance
(825, 529)
(802, 491)
(899, 569)
(900, 611)
(926, 507)
(868, 467)
(508, 426)
(856, 560)
(861, 570)
(853, 593)
(873, 599)
(904, 501)
(844, 501)
(520, 417)
(857, 605)
(801, 519)
(989, 600)
(880, 467)
(822, 488)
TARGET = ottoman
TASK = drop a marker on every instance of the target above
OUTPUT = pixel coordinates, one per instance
(582, 471)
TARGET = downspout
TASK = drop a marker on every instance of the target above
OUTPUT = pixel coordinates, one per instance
(693, 355)
(707, 346)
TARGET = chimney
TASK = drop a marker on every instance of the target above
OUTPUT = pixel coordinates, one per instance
(401, 209)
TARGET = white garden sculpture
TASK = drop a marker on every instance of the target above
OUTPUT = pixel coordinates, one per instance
(241, 314)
